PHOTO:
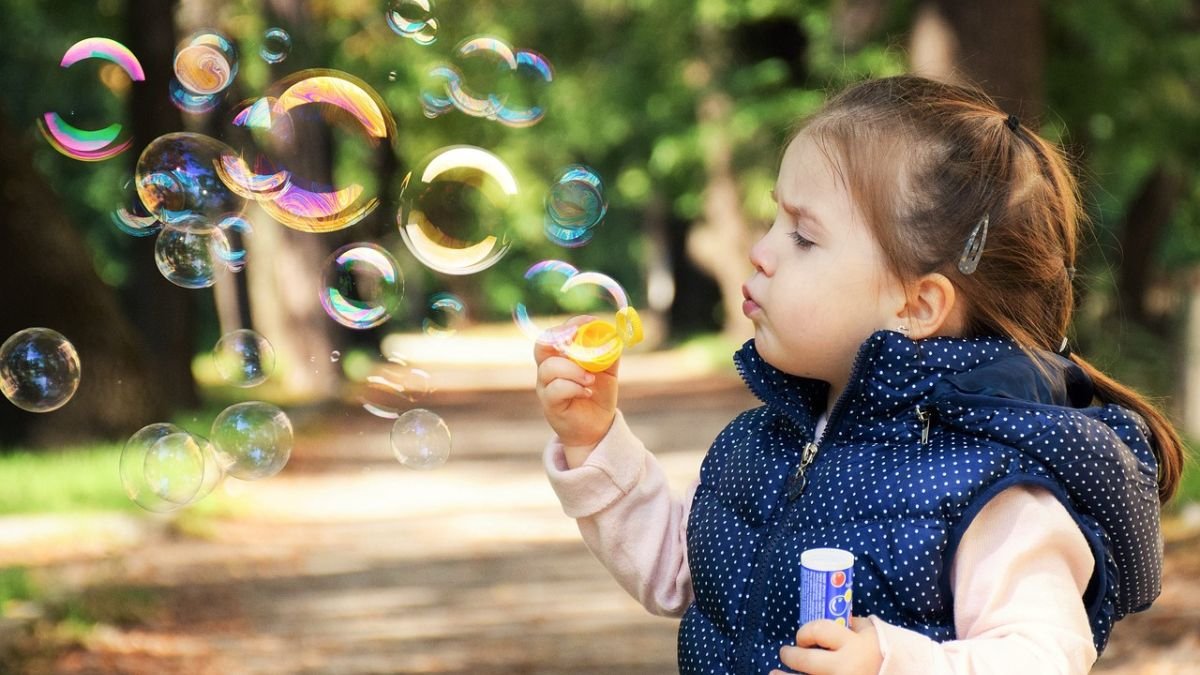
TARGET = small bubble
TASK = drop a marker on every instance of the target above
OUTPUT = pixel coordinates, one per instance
(392, 76)
(335, 356)
(276, 46)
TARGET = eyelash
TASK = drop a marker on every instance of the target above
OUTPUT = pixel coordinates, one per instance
(800, 240)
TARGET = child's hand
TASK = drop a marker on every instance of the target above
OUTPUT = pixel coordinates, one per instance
(580, 406)
(826, 648)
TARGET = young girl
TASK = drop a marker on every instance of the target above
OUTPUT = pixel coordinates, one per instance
(920, 409)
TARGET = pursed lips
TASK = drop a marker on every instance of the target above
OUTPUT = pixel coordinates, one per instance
(749, 305)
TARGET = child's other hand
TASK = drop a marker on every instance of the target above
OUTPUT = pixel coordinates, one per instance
(580, 406)
(826, 648)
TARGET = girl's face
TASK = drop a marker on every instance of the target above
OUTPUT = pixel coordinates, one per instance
(821, 285)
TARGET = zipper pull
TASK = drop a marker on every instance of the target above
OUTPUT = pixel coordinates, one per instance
(799, 480)
(926, 416)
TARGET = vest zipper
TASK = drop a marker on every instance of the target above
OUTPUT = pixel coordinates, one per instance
(799, 480)
(925, 415)
(756, 596)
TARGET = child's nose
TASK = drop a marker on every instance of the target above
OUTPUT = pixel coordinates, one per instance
(759, 256)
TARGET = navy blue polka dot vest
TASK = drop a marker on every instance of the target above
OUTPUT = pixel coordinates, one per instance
(924, 435)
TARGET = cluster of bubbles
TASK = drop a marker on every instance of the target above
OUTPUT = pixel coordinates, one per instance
(456, 214)
(456, 85)
(164, 468)
(596, 344)
(413, 19)
(39, 370)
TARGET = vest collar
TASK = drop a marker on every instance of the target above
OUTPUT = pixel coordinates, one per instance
(892, 373)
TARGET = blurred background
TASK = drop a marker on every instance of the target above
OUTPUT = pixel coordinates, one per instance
(348, 560)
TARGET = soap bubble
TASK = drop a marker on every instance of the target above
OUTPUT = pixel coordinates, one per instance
(131, 217)
(361, 286)
(555, 286)
(174, 467)
(191, 258)
(91, 145)
(540, 308)
(574, 205)
(276, 46)
(244, 358)
(413, 19)
(189, 101)
(393, 385)
(532, 72)
(421, 439)
(159, 470)
(345, 105)
(177, 181)
(206, 63)
(444, 313)
(39, 370)
(232, 252)
(486, 80)
(456, 210)
(253, 439)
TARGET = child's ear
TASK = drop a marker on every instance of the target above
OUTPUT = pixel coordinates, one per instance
(933, 307)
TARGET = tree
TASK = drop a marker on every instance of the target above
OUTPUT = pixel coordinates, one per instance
(50, 282)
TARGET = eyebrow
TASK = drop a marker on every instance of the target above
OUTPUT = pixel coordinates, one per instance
(797, 210)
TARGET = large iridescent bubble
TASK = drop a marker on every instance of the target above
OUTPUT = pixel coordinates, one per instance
(39, 370)
(456, 210)
(178, 182)
(92, 145)
(276, 169)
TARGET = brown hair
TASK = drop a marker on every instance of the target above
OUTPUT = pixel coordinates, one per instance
(925, 162)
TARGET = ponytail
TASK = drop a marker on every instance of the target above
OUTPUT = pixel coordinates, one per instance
(1165, 441)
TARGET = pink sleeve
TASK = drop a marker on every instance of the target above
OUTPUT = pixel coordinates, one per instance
(1019, 576)
(628, 517)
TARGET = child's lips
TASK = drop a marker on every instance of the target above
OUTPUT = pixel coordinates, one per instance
(749, 306)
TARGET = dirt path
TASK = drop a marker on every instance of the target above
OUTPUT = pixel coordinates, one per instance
(349, 563)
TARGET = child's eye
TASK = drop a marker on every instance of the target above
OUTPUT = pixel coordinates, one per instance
(801, 240)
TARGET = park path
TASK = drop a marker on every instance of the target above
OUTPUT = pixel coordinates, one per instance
(349, 563)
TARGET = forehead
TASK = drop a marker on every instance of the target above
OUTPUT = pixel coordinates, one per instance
(810, 177)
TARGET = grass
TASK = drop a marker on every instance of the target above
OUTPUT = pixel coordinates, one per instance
(81, 479)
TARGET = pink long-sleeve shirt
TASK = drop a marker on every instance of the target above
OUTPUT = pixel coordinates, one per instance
(1018, 575)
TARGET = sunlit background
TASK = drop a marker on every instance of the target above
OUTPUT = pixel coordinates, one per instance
(273, 272)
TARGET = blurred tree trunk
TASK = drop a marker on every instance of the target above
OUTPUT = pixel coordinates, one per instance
(1141, 232)
(284, 266)
(998, 45)
(50, 282)
(720, 241)
(163, 313)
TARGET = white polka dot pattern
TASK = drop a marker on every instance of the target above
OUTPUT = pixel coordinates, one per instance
(900, 504)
